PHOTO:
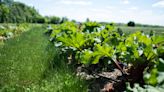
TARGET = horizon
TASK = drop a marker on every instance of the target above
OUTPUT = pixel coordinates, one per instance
(149, 12)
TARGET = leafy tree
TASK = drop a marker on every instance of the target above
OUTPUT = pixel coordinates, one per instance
(87, 20)
(8, 2)
(40, 20)
(64, 19)
(4, 11)
(16, 12)
(131, 24)
(55, 20)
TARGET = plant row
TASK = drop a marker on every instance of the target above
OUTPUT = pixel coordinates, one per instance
(91, 43)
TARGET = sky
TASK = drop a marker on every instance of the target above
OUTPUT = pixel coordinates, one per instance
(119, 11)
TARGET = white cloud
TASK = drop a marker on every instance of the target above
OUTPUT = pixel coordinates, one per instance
(126, 1)
(76, 2)
(133, 8)
(159, 4)
(111, 7)
(99, 10)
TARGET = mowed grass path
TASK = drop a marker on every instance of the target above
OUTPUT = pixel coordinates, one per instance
(24, 59)
(30, 63)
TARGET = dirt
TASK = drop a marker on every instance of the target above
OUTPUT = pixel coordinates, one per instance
(108, 81)
(112, 79)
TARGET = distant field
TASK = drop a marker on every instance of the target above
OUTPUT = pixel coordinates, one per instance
(157, 30)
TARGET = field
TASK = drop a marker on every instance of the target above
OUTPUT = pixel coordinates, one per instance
(157, 30)
(30, 62)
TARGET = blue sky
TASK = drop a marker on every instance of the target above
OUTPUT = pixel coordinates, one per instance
(140, 11)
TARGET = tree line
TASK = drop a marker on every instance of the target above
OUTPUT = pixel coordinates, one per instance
(17, 12)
